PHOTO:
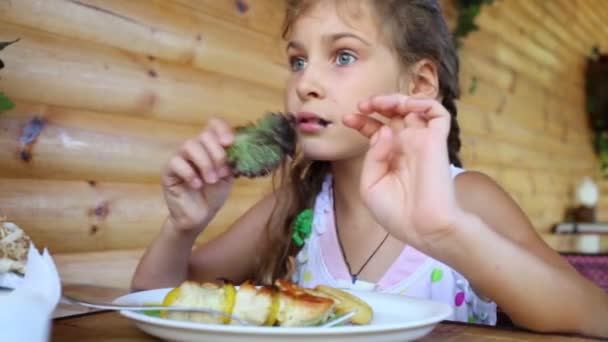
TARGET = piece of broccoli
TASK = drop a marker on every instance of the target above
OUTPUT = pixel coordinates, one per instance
(261, 147)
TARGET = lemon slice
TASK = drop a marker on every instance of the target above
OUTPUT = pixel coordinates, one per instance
(170, 299)
(229, 301)
(274, 311)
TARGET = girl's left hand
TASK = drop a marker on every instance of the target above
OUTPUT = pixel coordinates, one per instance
(406, 180)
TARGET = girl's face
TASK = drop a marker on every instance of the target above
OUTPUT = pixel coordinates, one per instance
(337, 58)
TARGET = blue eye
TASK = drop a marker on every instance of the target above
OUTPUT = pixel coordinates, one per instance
(297, 63)
(345, 58)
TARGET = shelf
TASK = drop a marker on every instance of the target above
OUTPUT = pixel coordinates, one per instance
(577, 243)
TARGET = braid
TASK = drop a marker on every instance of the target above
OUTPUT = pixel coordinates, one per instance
(454, 143)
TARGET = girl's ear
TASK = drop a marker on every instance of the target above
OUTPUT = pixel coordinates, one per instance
(422, 80)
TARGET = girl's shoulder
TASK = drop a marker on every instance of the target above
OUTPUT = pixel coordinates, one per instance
(476, 183)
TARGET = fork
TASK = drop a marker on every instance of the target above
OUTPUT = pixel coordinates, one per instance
(111, 306)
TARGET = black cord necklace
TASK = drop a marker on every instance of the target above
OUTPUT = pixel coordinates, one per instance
(354, 276)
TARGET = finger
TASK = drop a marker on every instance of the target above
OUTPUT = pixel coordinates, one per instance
(428, 110)
(397, 124)
(431, 111)
(377, 159)
(385, 104)
(216, 152)
(178, 170)
(194, 152)
(414, 120)
(223, 131)
(366, 125)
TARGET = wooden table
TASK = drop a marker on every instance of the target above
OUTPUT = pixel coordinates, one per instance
(110, 326)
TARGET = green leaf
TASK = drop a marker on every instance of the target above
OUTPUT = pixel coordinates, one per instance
(5, 44)
(5, 103)
(153, 313)
(473, 87)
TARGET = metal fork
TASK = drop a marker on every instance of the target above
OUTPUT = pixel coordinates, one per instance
(110, 306)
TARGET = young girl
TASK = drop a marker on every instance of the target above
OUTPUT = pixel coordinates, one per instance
(373, 85)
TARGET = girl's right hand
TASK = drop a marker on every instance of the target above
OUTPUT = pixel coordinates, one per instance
(197, 179)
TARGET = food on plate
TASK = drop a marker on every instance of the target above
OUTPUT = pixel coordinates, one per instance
(346, 302)
(284, 304)
(260, 147)
(14, 245)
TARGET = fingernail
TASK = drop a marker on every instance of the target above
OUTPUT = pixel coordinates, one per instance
(212, 177)
(384, 130)
(375, 137)
(226, 139)
(224, 171)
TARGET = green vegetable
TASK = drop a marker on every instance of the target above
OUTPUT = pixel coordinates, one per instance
(261, 147)
(5, 103)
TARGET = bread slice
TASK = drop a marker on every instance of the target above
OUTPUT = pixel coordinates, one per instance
(206, 295)
(297, 307)
(346, 302)
(256, 306)
(14, 246)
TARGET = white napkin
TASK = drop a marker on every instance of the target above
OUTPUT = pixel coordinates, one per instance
(25, 312)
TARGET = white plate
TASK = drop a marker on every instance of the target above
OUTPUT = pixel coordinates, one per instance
(396, 318)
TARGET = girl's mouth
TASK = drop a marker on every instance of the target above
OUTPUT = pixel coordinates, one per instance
(310, 123)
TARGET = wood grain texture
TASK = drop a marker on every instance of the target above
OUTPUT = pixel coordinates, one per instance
(158, 29)
(85, 145)
(113, 327)
(51, 69)
(79, 216)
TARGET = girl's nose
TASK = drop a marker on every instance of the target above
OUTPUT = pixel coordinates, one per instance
(310, 85)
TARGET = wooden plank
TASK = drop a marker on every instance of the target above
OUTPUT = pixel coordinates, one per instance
(76, 144)
(161, 29)
(492, 19)
(71, 216)
(517, 180)
(572, 112)
(596, 10)
(265, 16)
(571, 243)
(486, 98)
(503, 129)
(49, 69)
(502, 153)
(471, 120)
(495, 48)
(555, 125)
(582, 19)
(466, 153)
(554, 183)
(529, 25)
(112, 327)
(478, 66)
(567, 19)
(492, 171)
(535, 9)
(492, 47)
(525, 105)
(112, 268)
(592, 13)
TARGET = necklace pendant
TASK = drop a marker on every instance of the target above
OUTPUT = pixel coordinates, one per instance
(354, 278)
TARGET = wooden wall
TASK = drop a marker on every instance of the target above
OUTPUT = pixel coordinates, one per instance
(523, 103)
(107, 89)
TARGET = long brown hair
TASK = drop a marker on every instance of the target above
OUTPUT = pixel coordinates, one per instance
(417, 30)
